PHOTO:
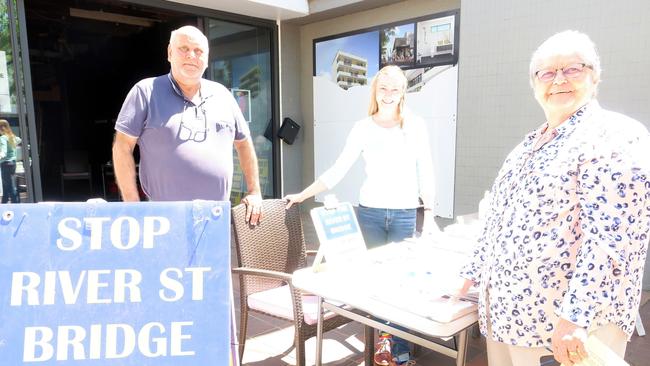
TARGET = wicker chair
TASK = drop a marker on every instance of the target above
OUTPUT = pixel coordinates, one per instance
(268, 254)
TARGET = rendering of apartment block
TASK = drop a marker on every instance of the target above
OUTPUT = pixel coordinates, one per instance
(349, 70)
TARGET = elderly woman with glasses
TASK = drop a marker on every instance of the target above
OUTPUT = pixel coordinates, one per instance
(566, 234)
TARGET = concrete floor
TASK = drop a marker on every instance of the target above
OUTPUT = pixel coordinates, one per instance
(270, 341)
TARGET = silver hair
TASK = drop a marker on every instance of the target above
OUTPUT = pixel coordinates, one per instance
(568, 42)
(190, 31)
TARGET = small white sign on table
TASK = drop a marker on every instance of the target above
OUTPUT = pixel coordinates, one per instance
(339, 234)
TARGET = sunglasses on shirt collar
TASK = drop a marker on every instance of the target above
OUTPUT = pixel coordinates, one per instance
(189, 129)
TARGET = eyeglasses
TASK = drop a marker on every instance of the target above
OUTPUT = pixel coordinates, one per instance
(572, 71)
(188, 130)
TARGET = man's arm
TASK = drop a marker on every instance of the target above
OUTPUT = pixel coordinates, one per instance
(124, 166)
(248, 163)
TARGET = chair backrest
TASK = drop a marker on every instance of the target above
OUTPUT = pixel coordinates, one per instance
(75, 161)
(277, 243)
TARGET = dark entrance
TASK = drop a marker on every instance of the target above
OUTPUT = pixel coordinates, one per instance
(85, 56)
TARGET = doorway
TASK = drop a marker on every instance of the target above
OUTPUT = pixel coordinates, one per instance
(85, 55)
(240, 59)
(84, 58)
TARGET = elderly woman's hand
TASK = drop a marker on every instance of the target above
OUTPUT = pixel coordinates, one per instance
(459, 287)
(569, 343)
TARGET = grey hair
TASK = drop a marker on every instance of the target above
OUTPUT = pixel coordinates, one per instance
(568, 42)
(190, 31)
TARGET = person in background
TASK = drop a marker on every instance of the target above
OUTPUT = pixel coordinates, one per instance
(8, 143)
(566, 233)
(186, 127)
(398, 165)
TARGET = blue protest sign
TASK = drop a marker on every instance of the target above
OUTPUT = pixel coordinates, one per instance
(115, 283)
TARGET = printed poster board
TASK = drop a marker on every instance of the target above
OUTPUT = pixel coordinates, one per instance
(115, 283)
(427, 49)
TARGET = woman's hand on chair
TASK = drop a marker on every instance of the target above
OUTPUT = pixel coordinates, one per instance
(293, 199)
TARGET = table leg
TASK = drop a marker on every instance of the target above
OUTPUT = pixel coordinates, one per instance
(369, 340)
(462, 348)
(319, 331)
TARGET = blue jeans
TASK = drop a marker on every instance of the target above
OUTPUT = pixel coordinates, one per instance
(380, 226)
(8, 172)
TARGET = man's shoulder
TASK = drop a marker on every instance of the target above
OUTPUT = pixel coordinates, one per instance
(149, 83)
(150, 88)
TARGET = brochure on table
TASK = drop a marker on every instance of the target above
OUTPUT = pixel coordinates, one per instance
(417, 270)
(420, 270)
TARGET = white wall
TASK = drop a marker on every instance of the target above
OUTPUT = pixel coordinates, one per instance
(495, 102)
(290, 106)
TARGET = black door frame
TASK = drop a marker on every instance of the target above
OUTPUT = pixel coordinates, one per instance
(25, 102)
(26, 105)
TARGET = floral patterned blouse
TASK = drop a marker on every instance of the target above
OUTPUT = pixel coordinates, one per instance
(567, 230)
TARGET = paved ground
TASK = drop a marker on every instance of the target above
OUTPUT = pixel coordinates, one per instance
(270, 341)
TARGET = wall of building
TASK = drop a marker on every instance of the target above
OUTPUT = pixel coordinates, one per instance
(387, 14)
(290, 106)
(495, 103)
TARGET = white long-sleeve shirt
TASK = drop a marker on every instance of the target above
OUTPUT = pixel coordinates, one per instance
(398, 163)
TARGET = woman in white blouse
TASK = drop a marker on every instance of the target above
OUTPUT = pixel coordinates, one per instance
(566, 232)
(398, 165)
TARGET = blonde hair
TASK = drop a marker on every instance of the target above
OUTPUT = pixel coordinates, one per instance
(4, 126)
(393, 71)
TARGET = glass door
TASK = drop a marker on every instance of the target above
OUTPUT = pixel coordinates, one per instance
(16, 103)
(241, 60)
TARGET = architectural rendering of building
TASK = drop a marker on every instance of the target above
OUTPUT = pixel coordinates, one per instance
(349, 70)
